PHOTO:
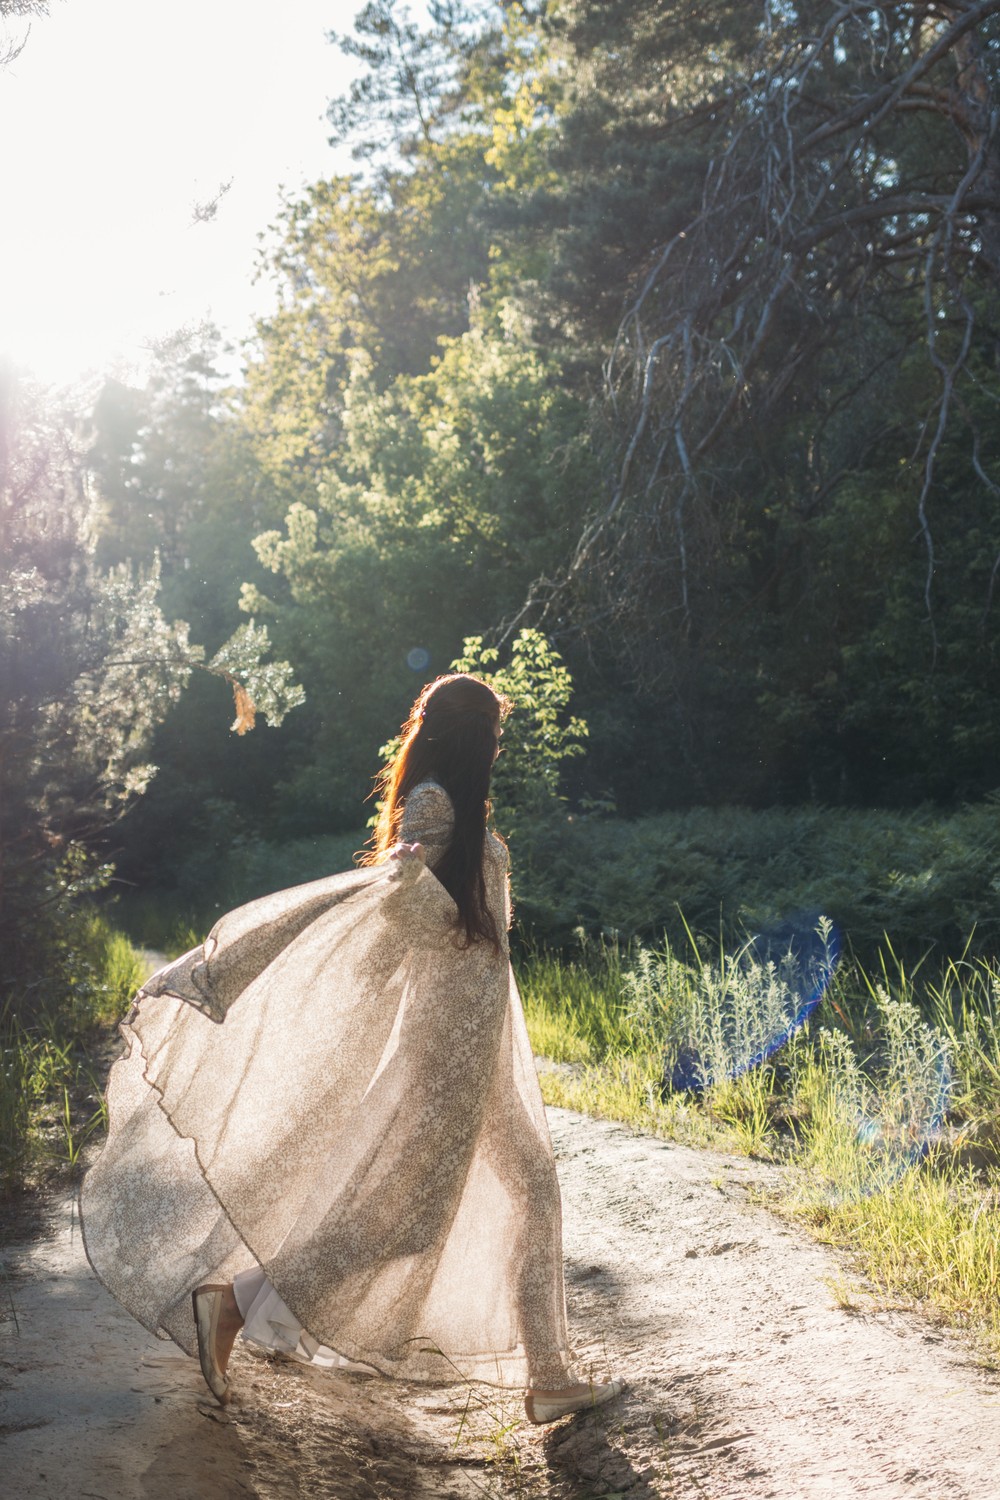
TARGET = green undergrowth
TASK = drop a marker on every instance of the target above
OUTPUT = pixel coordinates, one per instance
(51, 1099)
(884, 1106)
(177, 918)
(927, 876)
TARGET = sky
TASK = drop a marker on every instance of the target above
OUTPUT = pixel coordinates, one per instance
(117, 118)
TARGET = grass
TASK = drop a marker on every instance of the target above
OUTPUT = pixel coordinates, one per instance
(931, 1237)
(51, 1101)
(572, 1006)
(884, 1102)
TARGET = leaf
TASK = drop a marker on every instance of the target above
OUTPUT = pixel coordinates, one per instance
(246, 710)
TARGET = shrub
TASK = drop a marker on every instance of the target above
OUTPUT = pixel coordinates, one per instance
(930, 879)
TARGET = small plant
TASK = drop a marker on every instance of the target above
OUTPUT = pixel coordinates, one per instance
(846, 1296)
(868, 1121)
(746, 1106)
(718, 1021)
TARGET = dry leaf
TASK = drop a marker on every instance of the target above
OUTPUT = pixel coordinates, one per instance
(246, 712)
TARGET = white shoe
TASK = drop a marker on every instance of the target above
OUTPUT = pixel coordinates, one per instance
(549, 1406)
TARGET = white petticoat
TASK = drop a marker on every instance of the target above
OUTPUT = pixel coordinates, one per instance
(269, 1323)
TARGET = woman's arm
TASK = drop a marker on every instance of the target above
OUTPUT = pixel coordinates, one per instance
(428, 820)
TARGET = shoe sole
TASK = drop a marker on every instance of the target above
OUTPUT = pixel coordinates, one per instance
(540, 1412)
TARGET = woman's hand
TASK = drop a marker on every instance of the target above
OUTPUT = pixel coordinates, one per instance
(408, 851)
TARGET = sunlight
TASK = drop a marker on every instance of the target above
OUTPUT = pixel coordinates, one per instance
(123, 127)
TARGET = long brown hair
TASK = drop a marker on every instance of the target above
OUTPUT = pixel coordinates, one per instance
(450, 738)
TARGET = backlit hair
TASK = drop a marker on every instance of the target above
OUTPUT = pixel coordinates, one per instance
(449, 738)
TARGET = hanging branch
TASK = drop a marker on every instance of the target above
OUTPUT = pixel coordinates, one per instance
(807, 216)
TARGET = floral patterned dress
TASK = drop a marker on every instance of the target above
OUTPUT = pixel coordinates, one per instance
(334, 1090)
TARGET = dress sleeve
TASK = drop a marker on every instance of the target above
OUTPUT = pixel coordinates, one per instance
(428, 819)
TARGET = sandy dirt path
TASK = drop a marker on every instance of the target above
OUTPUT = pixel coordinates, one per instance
(746, 1378)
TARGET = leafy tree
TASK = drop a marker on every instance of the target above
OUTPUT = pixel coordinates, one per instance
(758, 241)
(538, 740)
(176, 480)
(399, 256)
(414, 89)
(448, 493)
(88, 666)
(782, 224)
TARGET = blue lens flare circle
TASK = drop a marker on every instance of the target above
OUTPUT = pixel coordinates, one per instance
(750, 1005)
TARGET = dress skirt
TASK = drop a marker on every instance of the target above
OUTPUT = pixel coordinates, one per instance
(334, 1103)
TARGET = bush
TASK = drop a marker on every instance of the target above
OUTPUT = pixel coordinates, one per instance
(929, 878)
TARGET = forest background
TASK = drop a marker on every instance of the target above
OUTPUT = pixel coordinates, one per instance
(651, 346)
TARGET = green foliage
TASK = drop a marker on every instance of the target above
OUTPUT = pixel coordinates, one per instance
(50, 1101)
(222, 873)
(442, 502)
(931, 1237)
(269, 684)
(178, 489)
(775, 376)
(574, 1007)
(526, 798)
(930, 878)
(89, 666)
(715, 1021)
(886, 1118)
(537, 738)
(407, 254)
(864, 1122)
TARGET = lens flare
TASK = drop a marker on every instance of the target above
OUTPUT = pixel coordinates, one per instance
(735, 1016)
(418, 659)
(870, 1111)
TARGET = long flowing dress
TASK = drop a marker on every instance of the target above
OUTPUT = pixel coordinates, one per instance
(336, 1095)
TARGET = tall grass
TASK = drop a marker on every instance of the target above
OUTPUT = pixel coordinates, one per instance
(885, 1103)
(573, 1006)
(50, 1098)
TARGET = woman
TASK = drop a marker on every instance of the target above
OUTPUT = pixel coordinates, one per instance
(327, 1129)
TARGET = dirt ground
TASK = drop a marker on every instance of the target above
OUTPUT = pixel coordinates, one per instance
(747, 1376)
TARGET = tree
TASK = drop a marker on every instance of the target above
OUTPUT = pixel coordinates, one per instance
(446, 495)
(88, 666)
(176, 480)
(416, 85)
(398, 256)
(806, 251)
(538, 738)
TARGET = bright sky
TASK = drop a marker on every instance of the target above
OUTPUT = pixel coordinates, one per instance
(116, 119)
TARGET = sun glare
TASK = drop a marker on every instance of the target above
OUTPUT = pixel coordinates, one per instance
(124, 124)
